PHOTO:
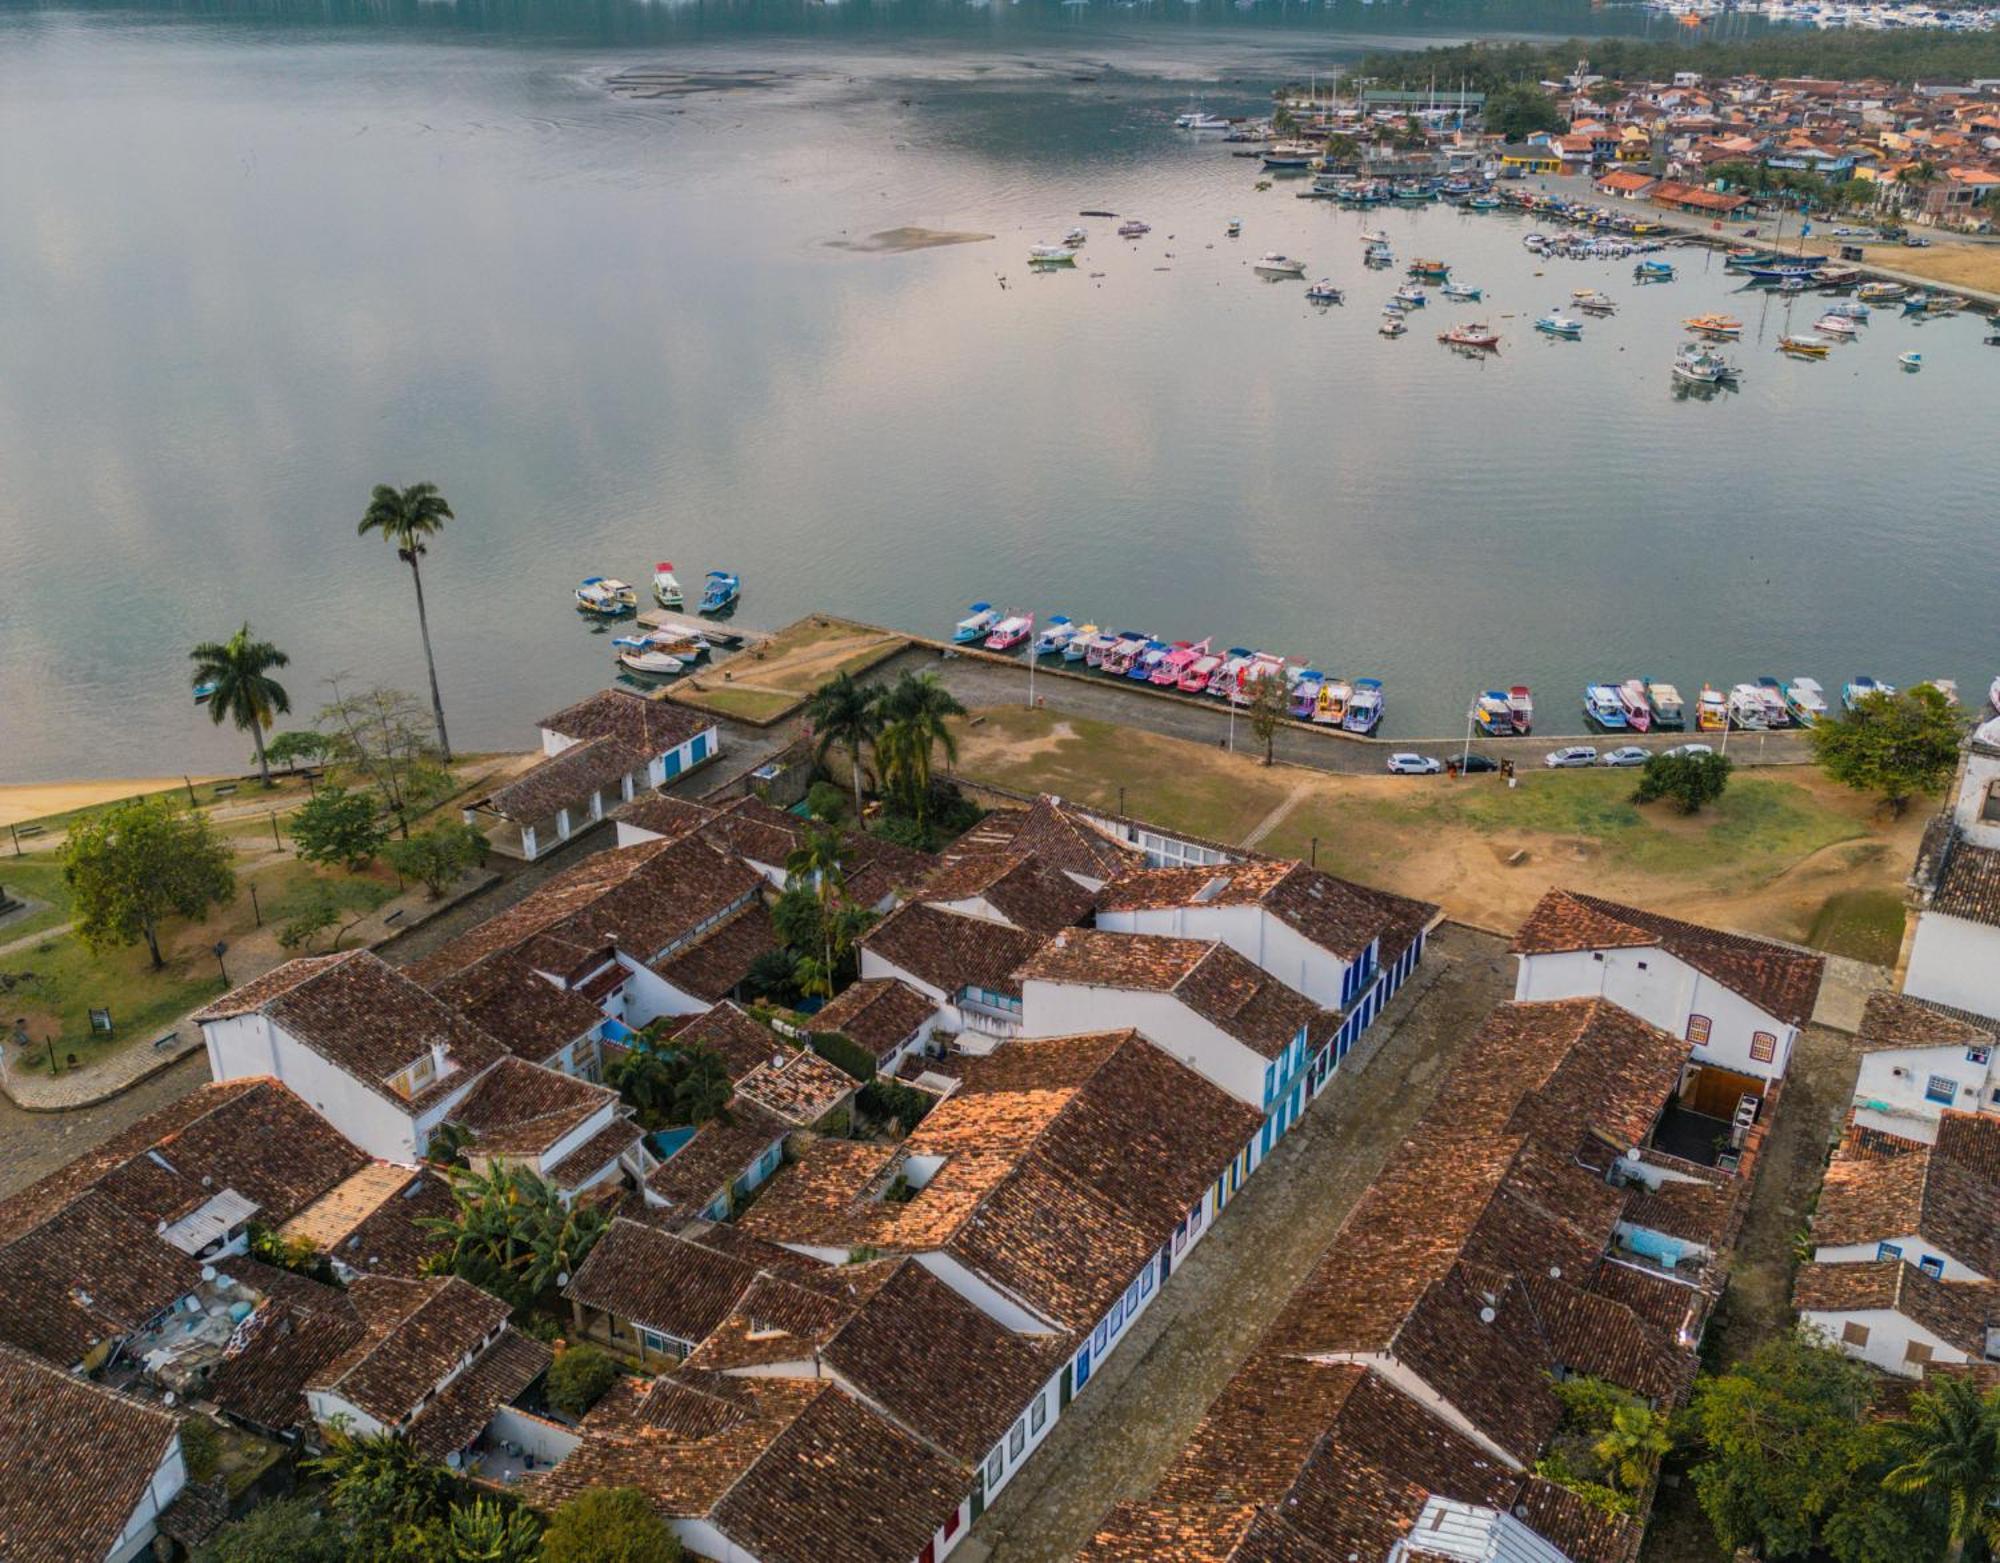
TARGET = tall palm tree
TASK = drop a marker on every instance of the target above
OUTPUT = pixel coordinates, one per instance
(818, 860)
(1950, 1449)
(238, 669)
(847, 714)
(406, 517)
(915, 725)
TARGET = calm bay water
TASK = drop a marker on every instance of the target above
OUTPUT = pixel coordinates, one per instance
(252, 263)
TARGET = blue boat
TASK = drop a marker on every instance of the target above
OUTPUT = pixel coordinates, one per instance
(1141, 670)
(977, 624)
(1056, 635)
(1305, 694)
(204, 692)
(1602, 706)
(1652, 271)
(1860, 688)
(1364, 706)
(1483, 203)
(721, 592)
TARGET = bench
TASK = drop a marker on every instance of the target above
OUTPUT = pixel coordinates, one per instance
(395, 917)
(30, 830)
(225, 789)
(163, 1043)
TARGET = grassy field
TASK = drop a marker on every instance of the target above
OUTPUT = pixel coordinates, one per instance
(1784, 853)
(765, 682)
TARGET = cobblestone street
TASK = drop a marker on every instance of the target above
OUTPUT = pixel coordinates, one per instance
(1116, 1439)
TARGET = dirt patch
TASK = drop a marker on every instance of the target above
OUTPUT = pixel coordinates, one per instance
(901, 241)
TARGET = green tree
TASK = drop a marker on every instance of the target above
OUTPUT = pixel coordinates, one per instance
(1690, 780)
(437, 856)
(773, 975)
(510, 1231)
(292, 1529)
(827, 803)
(916, 715)
(609, 1525)
(1632, 1447)
(1898, 745)
(704, 1089)
(647, 1079)
(1949, 1450)
(1740, 174)
(1871, 1524)
(578, 1379)
(1773, 1440)
(239, 671)
(380, 734)
(408, 518)
(132, 867)
(1269, 707)
(487, 1530)
(846, 715)
(296, 748)
(1856, 194)
(338, 828)
(1520, 110)
(377, 1486)
(819, 860)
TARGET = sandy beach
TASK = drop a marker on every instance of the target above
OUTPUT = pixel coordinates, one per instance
(33, 800)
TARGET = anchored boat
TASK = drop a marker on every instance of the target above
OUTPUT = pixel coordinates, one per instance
(1275, 265)
(605, 597)
(1365, 707)
(976, 625)
(721, 591)
(666, 588)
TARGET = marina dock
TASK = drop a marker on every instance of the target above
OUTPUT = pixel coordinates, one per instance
(717, 632)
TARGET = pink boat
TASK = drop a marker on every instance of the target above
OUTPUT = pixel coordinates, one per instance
(1200, 674)
(1262, 665)
(1638, 709)
(1011, 632)
(1174, 665)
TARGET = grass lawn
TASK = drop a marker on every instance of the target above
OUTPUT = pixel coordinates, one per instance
(763, 683)
(1864, 924)
(36, 877)
(749, 705)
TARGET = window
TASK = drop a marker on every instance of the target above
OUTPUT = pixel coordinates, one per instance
(1133, 1294)
(1597, 955)
(1763, 1047)
(1642, 965)
(1932, 1266)
(1941, 1088)
(1978, 1055)
(1017, 1440)
(996, 1463)
(1116, 1319)
(1194, 1219)
(1852, 1334)
(1989, 811)
(1102, 1336)
(1270, 1082)
(1888, 1251)
(1916, 1351)
(1038, 1413)
(1146, 1282)
(1699, 1027)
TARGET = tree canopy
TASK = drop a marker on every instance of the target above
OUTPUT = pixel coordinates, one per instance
(1899, 745)
(1690, 780)
(134, 866)
(339, 828)
(609, 1525)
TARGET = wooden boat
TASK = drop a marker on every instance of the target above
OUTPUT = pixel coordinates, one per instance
(666, 588)
(1011, 632)
(1051, 255)
(1711, 712)
(1331, 708)
(1474, 334)
(1521, 706)
(1275, 265)
(1177, 661)
(1257, 667)
(1119, 659)
(1151, 655)
(1132, 228)
(1746, 709)
(1198, 674)
(1695, 365)
(1653, 271)
(1078, 645)
(1915, 360)
(1075, 238)
(1555, 323)
(1392, 325)
(1668, 711)
(1055, 636)
(1492, 714)
(1429, 270)
(654, 664)
(1602, 706)
(605, 597)
(1860, 687)
(976, 625)
(1880, 292)
(1772, 691)
(1234, 229)
(1725, 328)
(1638, 709)
(1223, 681)
(1104, 643)
(1323, 292)
(1803, 346)
(1365, 707)
(1805, 700)
(1460, 293)
(1839, 327)
(1410, 296)
(721, 592)
(1304, 694)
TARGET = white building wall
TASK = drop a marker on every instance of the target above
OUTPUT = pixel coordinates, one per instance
(326, 1407)
(245, 1045)
(1954, 961)
(1051, 1009)
(1266, 941)
(1981, 772)
(648, 996)
(1913, 1249)
(1890, 1087)
(1889, 1337)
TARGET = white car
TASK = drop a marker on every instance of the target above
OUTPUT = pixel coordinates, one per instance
(1414, 765)
(1575, 754)
(1683, 750)
(1630, 754)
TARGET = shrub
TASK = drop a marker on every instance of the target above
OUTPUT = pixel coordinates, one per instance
(845, 1054)
(773, 975)
(308, 926)
(201, 1447)
(609, 1525)
(1690, 780)
(338, 828)
(890, 1099)
(288, 1528)
(437, 856)
(578, 1379)
(829, 803)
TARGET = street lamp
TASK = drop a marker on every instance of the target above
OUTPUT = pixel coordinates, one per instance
(221, 950)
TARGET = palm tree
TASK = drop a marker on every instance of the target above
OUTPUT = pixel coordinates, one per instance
(704, 1090)
(818, 860)
(915, 724)
(406, 518)
(1950, 1449)
(845, 713)
(238, 670)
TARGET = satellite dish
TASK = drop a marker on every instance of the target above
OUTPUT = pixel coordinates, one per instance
(1487, 1315)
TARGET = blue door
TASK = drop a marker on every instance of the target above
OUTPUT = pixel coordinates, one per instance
(674, 764)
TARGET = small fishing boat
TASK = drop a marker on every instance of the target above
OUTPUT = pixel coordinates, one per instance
(1860, 688)
(654, 664)
(1078, 645)
(1119, 659)
(1331, 709)
(205, 691)
(1836, 276)
(1839, 327)
(1521, 706)
(1378, 256)
(1804, 346)
(1461, 293)
(1323, 292)
(1942, 304)
(1590, 298)
(1075, 238)
(1474, 334)
(1948, 687)
(1850, 309)
(1721, 327)
(1638, 709)
(1492, 714)
(1374, 236)
(1055, 636)
(1779, 271)
(1234, 228)
(1792, 285)
(1132, 228)
(977, 624)
(1288, 156)
(1711, 712)
(1275, 265)
(1696, 365)
(1746, 709)
(1483, 203)
(1410, 296)
(1772, 692)
(1147, 663)
(1364, 707)
(1051, 255)
(1653, 271)
(1880, 292)
(666, 588)
(1223, 681)
(1196, 677)
(1805, 700)
(1912, 359)
(1555, 323)
(1304, 694)
(1392, 325)
(1429, 270)
(605, 597)
(1602, 706)
(1102, 644)
(1177, 661)
(1257, 667)
(1665, 700)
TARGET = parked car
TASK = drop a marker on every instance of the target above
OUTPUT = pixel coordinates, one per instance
(1575, 754)
(1414, 765)
(1689, 749)
(1475, 764)
(1628, 754)
(1915, 241)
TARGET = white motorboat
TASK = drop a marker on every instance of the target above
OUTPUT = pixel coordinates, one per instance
(1276, 265)
(1747, 709)
(1051, 255)
(666, 588)
(1696, 365)
(1075, 238)
(1197, 120)
(658, 664)
(1392, 325)
(1836, 326)
(1235, 228)
(1132, 228)
(605, 597)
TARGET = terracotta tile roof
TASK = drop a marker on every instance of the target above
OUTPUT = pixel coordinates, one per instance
(1893, 1021)
(1706, 1213)
(76, 1461)
(372, 1022)
(1019, 886)
(522, 1109)
(416, 1333)
(88, 1272)
(1581, 1531)
(653, 1278)
(609, 1143)
(500, 1376)
(523, 1011)
(1948, 1193)
(940, 1366)
(1332, 913)
(348, 1203)
(879, 1013)
(1599, 1337)
(668, 818)
(797, 1086)
(297, 1329)
(1060, 834)
(651, 726)
(712, 968)
(951, 952)
(784, 1321)
(1968, 885)
(1958, 1312)
(741, 1042)
(1671, 1305)
(567, 781)
(1239, 999)
(1565, 1068)
(719, 1153)
(275, 983)
(392, 1240)
(1780, 981)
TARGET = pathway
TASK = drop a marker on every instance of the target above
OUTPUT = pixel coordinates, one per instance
(1277, 816)
(1144, 1403)
(32, 1145)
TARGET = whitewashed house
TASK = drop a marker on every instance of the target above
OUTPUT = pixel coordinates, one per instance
(373, 1053)
(1920, 1060)
(1739, 1002)
(1899, 1318)
(1954, 953)
(966, 966)
(1936, 1206)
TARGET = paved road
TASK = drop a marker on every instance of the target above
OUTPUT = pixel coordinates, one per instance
(1142, 1407)
(981, 681)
